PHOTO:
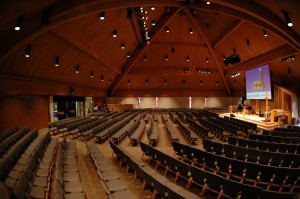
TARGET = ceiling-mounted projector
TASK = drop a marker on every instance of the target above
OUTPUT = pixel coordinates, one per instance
(232, 59)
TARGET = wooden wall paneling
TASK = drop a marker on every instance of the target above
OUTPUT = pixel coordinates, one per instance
(31, 111)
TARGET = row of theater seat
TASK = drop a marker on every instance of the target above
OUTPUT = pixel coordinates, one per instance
(201, 131)
(153, 133)
(110, 179)
(150, 178)
(283, 134)
(7, 133)
(295, 130)
(30, 175)
(254, 155)
(265, 146)
(12, 139)
(130, 126)
(137, 134)
(170, 128)
(11, 155)
(188, 135)
(275, 139)
(279, 179)
(244, 125)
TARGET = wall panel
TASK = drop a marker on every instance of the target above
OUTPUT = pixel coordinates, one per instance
(31, 111)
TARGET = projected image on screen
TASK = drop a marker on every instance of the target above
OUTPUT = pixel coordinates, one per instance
(258, 83)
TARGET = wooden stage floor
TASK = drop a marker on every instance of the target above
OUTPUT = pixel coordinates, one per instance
(261, 124)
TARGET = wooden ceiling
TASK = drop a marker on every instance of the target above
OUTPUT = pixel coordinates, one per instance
(199, 36)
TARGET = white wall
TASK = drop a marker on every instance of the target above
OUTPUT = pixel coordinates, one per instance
(174, 102)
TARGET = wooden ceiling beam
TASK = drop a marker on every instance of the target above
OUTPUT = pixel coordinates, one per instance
(264, 58)
(179, 44)
(84, 47)
(196, 23)
(226, 32)
(165, 19)
(253, 13)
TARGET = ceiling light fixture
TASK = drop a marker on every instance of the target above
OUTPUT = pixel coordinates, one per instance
(167, 29)
(56, 61)
(265, 32)
(123, 45)
(234, 82)
(19, 23)
(102, 78)
(191, 31)
(153, 22)
(201, 83)
(109, 81)
(92, 74)
(152, 8)
(166, 81)
(187, 58)
(102, 15)
(235, 75)
(27, 51)
(77, 69)
(167, 57)
(224, 58)
(145, 57)
(128, 81)
(208, 2)
(128, 54)
(147, 81)
(217, 83)
(287, 18)
(115, 33)
(206, 59)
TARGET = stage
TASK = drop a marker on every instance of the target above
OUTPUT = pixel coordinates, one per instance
(261, 124)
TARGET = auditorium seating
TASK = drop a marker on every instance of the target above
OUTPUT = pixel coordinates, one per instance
(7, 133)
(275, 139)
(187, 134)
(110, 179)
(157, 183)
(137, 133)
(282, 179)
(268, 146)
(170, 129)
(153, 133)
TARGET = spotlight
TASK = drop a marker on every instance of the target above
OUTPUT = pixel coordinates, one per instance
(191, 31)
(167, 57)
(56, 61)
(102, 15)
(145, 57)
(19, 23)
(115, 33)
(265, 33)
(217, 83)
(147, 81)
(166, 82)
(201, 82)
(102, 78)
(206, 59)
(224, 58)
(27, 51)
(92, 74)
(287, 18)
(152, 8)
(128, 54)
(167, 29)
(123, 45)
(109, 81)
(153, 22)
(77, 69)
(187, 58)
(208, 2)
(128, 81)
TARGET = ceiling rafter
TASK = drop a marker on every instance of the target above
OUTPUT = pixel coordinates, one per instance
(266, 57)
(256, 14)
(230, 29)
(141, 49)
(208, 44)
(86, 49)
